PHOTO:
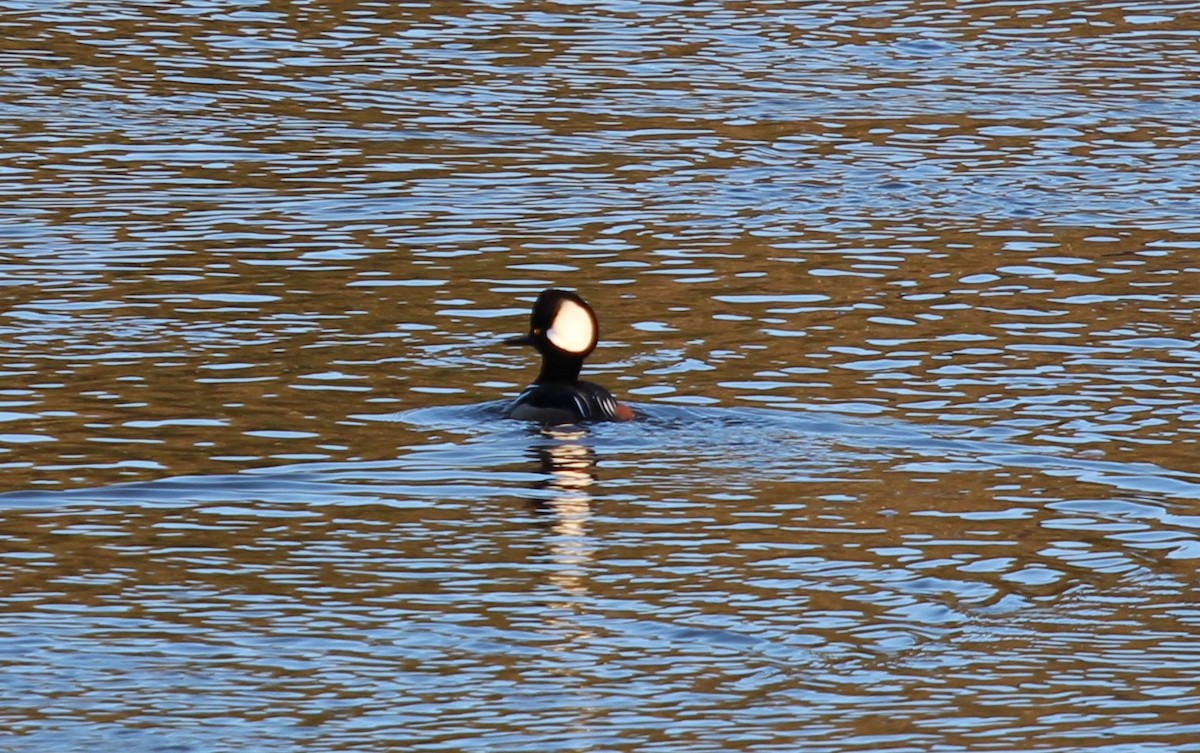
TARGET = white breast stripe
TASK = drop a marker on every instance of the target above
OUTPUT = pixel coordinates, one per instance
(610, 407)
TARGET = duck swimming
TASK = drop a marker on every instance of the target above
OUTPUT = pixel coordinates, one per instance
(564, 329)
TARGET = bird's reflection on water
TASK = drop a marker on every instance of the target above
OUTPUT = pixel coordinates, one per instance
(568, 464)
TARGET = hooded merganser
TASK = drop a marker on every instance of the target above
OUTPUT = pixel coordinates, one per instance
(564, 330)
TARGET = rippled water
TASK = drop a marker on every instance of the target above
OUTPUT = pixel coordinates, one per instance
(905, 292)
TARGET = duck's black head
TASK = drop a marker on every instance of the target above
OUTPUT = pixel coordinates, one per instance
(564, 330)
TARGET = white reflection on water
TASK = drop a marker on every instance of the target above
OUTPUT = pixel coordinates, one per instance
(568, 463)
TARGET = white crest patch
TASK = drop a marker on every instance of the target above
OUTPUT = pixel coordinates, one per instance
(572, 329)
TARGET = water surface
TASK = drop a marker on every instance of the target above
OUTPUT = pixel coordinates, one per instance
(905, 292)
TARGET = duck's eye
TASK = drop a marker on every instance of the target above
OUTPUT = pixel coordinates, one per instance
(537, 331)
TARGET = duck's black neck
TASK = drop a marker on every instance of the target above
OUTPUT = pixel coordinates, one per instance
(559, 369)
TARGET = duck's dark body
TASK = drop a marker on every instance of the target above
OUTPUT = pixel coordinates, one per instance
(558, 403)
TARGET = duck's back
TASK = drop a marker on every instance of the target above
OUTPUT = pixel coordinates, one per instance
(566, 404)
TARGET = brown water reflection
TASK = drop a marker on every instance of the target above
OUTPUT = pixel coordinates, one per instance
(906, 291)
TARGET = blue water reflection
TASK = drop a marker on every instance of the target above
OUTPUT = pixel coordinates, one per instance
(568, 574)
(904, 292)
